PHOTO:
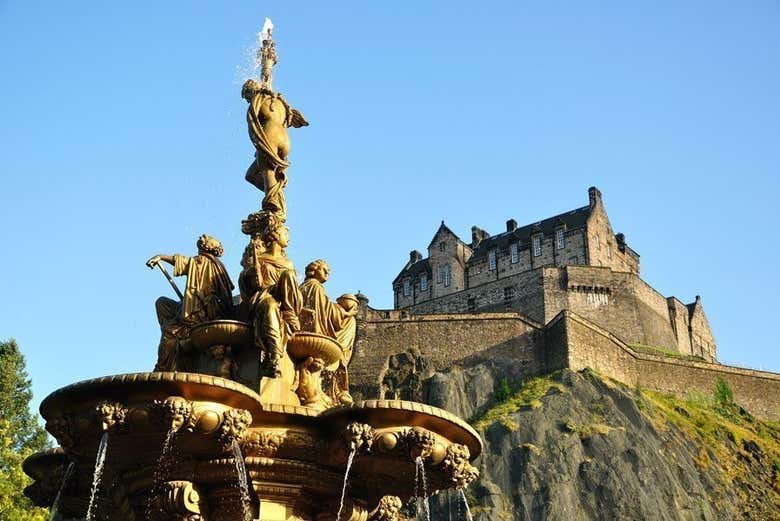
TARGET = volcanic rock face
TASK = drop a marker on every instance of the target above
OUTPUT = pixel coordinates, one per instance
(574, 446)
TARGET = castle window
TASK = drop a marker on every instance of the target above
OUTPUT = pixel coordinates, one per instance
(609, 251)
(492, 260)
(440, 275)
(471, 305)
(537, 246)
(447, 275)
(560, 240)
(442, 246)
(509, 294)
(424, 282)
(596, 242)
(514, 253)
(574, 260)
(407, 288)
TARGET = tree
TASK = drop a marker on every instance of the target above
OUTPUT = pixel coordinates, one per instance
(20, 436)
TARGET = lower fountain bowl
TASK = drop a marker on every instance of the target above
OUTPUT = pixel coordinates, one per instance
(303, 345)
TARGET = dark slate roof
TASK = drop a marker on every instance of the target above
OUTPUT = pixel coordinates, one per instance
(414, 269)
(572, 220)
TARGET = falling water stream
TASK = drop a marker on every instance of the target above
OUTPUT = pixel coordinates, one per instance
(350, 459)
(100, 460)
(465, 503)
(66, 476)
(243, 483)
(419, 479)
(162, 470)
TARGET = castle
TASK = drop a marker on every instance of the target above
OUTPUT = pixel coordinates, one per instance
(564, 292)
(571, 261)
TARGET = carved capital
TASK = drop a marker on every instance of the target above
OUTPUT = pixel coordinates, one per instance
(110, 415)
(358, 437)
(172, 414)
(388, 509)
(457, 469)
(262, 443)
(419, 442)
(235, 423)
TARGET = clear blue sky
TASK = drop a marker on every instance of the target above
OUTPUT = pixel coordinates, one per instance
(122, 135)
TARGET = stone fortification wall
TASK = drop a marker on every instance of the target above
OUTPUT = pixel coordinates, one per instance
(577, 343)
(618, 301)
(441, 341)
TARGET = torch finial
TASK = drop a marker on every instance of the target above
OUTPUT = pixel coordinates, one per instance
(266, 56)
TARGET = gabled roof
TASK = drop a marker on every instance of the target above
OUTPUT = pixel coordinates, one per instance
(444, 229)
(412, 270)
(572, 220)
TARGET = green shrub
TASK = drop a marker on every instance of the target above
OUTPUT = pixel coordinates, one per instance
(723, 393)
(503, 392)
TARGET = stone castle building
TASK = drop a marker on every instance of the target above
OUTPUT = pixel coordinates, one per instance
(572, 261)
(564, 292)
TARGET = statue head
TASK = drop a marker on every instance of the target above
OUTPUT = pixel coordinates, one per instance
(208, 244)
(273, 230)
(250, 89)
(318, 269)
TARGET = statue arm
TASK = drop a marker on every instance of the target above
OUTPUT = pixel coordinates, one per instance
(154, 261)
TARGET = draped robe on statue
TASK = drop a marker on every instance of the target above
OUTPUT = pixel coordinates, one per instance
(208, 295)
(328, 318)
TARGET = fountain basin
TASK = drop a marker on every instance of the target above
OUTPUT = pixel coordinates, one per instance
(295, 456)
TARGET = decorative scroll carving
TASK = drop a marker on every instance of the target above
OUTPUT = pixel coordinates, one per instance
(388, 509)
(110, 415)
(457, 469)
(358, 437)
(262, 443)
(177, 500)
(235, 423)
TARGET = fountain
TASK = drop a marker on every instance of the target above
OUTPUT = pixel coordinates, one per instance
(254, 390)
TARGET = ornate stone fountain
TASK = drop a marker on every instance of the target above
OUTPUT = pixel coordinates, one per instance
(262, 378)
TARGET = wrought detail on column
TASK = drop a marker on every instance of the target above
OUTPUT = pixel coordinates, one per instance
(235, 423)
(388, 509)
(457, 469)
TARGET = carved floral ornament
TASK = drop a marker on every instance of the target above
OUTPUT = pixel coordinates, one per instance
(173, 413)
(264, 443)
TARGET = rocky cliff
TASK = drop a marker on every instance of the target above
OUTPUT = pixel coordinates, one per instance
(576, 446)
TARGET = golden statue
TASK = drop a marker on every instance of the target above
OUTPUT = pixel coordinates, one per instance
(208, 295)
(268, 118)
(333, 319)
(269, 289)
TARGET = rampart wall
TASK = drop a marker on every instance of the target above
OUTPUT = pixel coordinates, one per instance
(577, 343)
(443, 340)
(569, 340)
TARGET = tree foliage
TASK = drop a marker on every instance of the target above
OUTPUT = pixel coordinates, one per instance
(20, 436)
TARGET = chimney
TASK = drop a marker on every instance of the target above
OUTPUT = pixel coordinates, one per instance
(621, 241)
(477, 235)
(414, 256)
(594, 196)
(511, 225)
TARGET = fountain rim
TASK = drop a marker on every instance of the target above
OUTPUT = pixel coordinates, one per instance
(403, 406)
(92, 387)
